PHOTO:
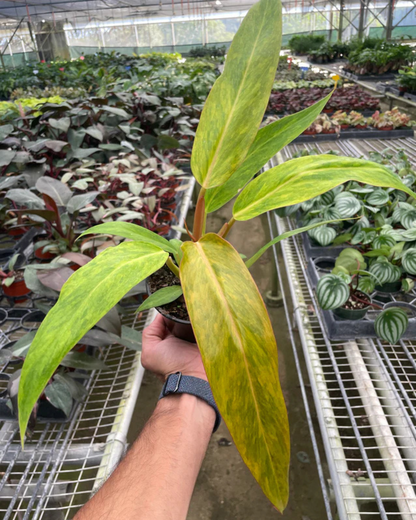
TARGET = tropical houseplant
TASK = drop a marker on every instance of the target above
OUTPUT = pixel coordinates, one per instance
(228, 316)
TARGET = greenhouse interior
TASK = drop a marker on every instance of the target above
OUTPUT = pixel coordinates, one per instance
(208, 259)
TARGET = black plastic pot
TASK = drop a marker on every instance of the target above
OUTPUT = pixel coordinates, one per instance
(388, 288)
(181, 329)
(352, 314)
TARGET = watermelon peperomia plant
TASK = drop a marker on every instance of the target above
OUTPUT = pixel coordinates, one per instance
(228, 315)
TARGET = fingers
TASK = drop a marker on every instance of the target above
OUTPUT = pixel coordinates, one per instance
(156, 331)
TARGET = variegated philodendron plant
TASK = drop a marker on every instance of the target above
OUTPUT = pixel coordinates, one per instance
(228, 315)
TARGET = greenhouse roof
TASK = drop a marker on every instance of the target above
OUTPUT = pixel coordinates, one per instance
(38, 10)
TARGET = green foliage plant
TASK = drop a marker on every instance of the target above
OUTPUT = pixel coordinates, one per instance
(228, 316)
(351, 284)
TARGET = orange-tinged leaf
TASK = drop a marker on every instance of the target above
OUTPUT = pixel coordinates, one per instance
(239, 352)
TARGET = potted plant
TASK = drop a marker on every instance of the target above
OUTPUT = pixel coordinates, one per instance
(56, 212)
(12, 281)
(357, 120)
(341, 118)
(346, 292)
(219, 292)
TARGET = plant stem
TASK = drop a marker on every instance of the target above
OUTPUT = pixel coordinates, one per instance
(226, 228)
(199, 218)
(367, 303)
(174, 268)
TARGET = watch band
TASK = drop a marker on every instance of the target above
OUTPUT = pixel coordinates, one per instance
(180, 384)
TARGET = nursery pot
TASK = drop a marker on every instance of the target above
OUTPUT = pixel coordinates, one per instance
(391, 287)
(361, 127)
(181, 329)
(352, 314)
(16, 289)
(40, 255)
(330, 131)
(309, 132)
(17, 232)
(344, 127)
(386, 128)
(324, 264)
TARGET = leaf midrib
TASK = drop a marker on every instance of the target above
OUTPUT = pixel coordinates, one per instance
(240, 344)
(230, 117)
(291, 179)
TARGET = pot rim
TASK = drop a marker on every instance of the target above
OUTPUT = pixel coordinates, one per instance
(164, 313)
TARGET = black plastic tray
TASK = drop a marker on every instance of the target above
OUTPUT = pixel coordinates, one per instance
(369, 77)
(412, 97)
(313, 250)
(46, 411)
(340, 329)
(367, 133)
(383, 87)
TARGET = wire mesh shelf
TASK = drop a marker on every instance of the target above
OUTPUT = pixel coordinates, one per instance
(64, 463)
(363, 389)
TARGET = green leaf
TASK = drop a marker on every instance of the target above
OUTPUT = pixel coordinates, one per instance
(408, 219)
(385, 271)
(235, 106)
(75, 389)
(132, 338)
(325, 235)
(366, 284)
(407, 284)
(166, 142)
(133, 232)
(57, 190)
(62, 124)
(378, 198)
(5, 130)
(269, 140)
(383, 241)
(341, 239)
(94, 132)
(161, 297)
(58, 395)
(78, 202)
(25, 197)
(288, 234)
(409, 261)
(6, 157)
(82, 153)
(391, 324)
(236, 340)
(117, 111)
(85, 298)
(347, 206)
(301, 179)
(332, 292)
(83, 361)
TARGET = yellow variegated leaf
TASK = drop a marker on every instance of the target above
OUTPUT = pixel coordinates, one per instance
(236, 104)
(85, 298)
(302, 179)
(239, 351)
(269, 140)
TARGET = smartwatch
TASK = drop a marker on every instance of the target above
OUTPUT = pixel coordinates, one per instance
(177, 383)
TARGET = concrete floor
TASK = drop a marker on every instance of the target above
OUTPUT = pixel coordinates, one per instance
(225, 489)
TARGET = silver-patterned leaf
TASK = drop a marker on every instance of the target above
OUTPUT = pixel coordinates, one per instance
(332, 292)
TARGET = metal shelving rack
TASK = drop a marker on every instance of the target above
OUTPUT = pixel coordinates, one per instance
(363, 390)
(63, 464)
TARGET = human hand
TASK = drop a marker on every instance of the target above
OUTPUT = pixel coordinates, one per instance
(164, 354)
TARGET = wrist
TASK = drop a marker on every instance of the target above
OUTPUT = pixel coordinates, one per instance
(188, 408)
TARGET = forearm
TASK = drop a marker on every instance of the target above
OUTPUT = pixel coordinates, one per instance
(157, 477)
